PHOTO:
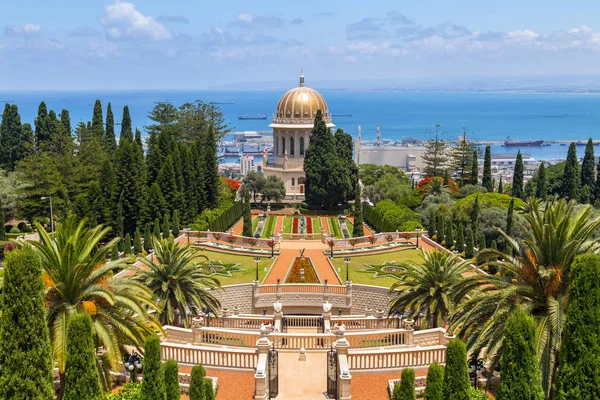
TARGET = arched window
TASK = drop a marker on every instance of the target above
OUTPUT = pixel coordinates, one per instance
(293, 182)
(276, 147)
(282, 145)
(292, 146)
(302, 146)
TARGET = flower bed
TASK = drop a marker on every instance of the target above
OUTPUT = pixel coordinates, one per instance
(294, 275)
(309, 225)
(295, 225)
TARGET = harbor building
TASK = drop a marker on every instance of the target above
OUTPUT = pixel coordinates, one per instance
(292, 125)
(246, 164)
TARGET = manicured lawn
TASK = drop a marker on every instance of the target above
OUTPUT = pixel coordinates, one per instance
(287, 224)
(246, 262)
(334, 227)
(357, 263)
(254, 224)
(350, 226)
(269, 228)
(316, 225)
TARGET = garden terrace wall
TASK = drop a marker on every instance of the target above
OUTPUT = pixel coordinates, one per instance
(239, 240)
(377, 238)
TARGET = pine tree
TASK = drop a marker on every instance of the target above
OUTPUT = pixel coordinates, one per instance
(126, 129)
(127, 244)
(43, 130)
(212, 182)
(569, 187)
(82, 380)
(12, 140)
(588, 173)
(247, 231)
(449, 233)
(130, 179)
(171, 372)
(65, 119)
(500, 188)
(138, 137)
(208, 389)
(460, 238)
(175, 224)
(474, 169)
(405, 390)
(487, 170)
(147, 238)
(521, 377)
(462, 157)
(470, 247)
(197, 383)
(25, 350)
(596, 193)
(585, 196)
(166, 226)
(435, 157)
(167, 182)
(358, 229)
(517, 185)
(153, 384)
(137, 242)
(110, 140)
(541, 189)
(509, 217)
(154, 203)
(97, 121)
(579, 362)
(456, 376)
(434, 389)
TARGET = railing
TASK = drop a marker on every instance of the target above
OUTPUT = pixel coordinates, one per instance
(302, 321)
(301, 288)
(229, 239)
(240, 322)
(209, 356)
(371, 239)
(396, 358)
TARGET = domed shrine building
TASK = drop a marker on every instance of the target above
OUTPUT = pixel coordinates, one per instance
(292, 125)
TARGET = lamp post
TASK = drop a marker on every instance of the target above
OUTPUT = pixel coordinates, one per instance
(347, 261)
(207, 316)
(418, 234)
(257, 260)
(51, 214)
(272, 246)
(187, 230)
(133, 364)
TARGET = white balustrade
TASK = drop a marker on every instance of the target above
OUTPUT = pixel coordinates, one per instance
(209, 356)
(369, 359)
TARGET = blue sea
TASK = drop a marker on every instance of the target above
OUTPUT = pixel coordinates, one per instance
(487, 116)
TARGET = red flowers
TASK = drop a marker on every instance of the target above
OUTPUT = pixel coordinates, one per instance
(251, 241)
(302, 265)
(372, 240)
(353, 242)
(232, 183)
(231, 239)
(389, 238)
(309, 225)
(295, 225)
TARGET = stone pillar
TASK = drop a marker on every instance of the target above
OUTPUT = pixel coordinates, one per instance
(327, 322)
(277, 315)
(278, 294)
(345, 379)
(254, 294)
(261, 376)
(325, 292)
(349, 295)
(197, 323)
(408, 324)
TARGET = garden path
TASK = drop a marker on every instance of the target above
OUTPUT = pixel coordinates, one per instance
(304, 380)
(278, 224)
(324, 225)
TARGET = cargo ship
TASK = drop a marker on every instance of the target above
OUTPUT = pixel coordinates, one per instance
(248, 117)
(510, 142)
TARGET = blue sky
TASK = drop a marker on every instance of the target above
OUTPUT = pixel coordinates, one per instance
(185, 44)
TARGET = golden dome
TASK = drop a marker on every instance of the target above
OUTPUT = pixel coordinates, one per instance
(299, 106)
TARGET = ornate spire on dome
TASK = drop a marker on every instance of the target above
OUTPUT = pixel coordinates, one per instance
(301, 77)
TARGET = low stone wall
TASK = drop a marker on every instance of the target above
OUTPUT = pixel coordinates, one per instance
(367, 296)
(236, 296)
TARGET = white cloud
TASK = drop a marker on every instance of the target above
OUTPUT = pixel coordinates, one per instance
(122, 21)
(28, 30)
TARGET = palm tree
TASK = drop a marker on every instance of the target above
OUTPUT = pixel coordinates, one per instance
(176, 281)
(536, 278)
(435, 186)
(430, 287)
(78, 279)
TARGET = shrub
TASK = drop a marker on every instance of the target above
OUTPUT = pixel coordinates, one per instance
(208, 389)
(456, 375)
(475, 394)
(197, 383)
(435, 383)
(521, 379)
(405, 390)
(269, 228)
(15, 230)
(82, 380)
(130, 391)
(171, 372)
(461, 209)
(153, 384)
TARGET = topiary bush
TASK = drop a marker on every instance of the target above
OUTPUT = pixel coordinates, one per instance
(456, 375)
(197, 383)
(14, 229)
(434, 389)
(171, 372)
(153, 384)
(405, 390)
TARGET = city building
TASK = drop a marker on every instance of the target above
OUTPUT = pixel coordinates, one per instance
(292, 125)
(246, 164)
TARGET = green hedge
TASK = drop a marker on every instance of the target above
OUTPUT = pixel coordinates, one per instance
(335, 227)
(390, 217)
(219, 219)
(269, 228)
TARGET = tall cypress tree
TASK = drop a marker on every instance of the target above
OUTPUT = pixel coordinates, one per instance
(247, 231)
(156, 230)
(127, 244)
(154, 203)
(460, 238)
(509, 217)
(147, 238)
(171, 371)
(65, 119)
(168, 185)
(175, 225)
(11, 144)
(470, 245)
(82, 380)
(197, 383)
(138, 137)
(98, 121)
(137, 242)
(569, 187)
(449, 233)
(482, 243)
(521, 378)
(487, 170)
(130, 179)
(126, 128)
(212, 182)
(579, 362)
(434, 389)
(431, 227)
(474, 169)
(500, 188)
(475, 210)
(456, 376)
(208, 389)
(588, 174)
(166, 226)
(405, 390)
(110, 140)
(541, 189)
(153, 384)
(25, 350)
(43, 126)
(358, 228)
(596, 193)
(517, 186)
